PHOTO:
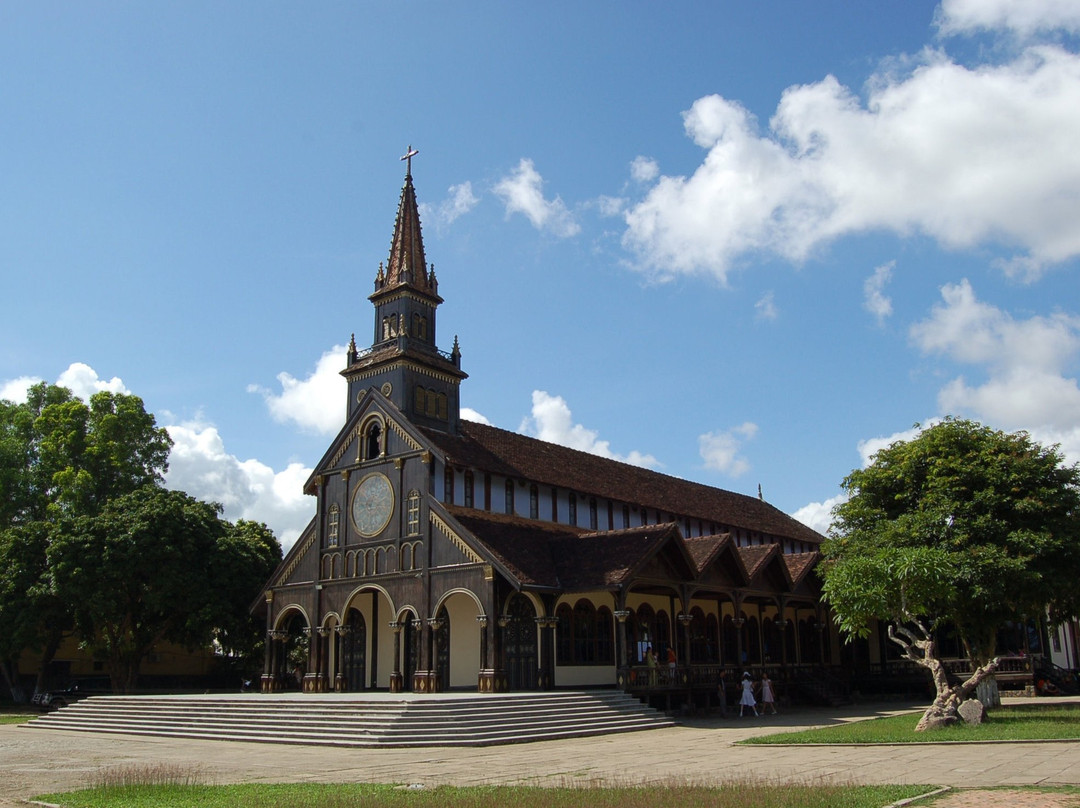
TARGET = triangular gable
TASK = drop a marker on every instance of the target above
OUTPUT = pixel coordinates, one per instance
(346, 448)
(802, 571)
(756, 558)
(667, 558)
(299, 566)
(723, 567)
(458, 533)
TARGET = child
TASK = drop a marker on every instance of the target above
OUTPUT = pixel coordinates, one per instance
(747, 699)
(768, 696)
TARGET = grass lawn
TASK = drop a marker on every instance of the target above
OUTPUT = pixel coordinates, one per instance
(1012, 723)
(318, 795)
(14, 715)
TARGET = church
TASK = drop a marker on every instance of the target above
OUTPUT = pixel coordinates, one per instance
(451, 555)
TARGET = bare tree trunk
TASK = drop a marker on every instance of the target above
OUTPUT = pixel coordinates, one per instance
(9, 668)
(918, 645)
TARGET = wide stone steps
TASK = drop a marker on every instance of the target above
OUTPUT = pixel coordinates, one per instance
(359, 720)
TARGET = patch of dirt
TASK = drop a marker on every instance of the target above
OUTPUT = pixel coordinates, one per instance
(1005, 798)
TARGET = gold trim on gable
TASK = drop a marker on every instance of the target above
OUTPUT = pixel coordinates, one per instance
(283, 578)
(455, 539)
(354, 435)
(405, 436)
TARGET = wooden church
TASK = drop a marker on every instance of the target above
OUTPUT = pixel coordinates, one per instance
(447, 554)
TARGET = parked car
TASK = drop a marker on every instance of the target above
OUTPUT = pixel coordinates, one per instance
(52, 700)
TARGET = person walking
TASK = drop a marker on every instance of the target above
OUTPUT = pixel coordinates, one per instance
(747, 699)
(768, 695)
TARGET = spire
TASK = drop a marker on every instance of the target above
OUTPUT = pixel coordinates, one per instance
(407, 264)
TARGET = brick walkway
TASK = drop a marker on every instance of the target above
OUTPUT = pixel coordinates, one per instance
(701, 751)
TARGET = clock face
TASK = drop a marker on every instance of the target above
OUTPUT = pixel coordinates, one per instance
(372, 504)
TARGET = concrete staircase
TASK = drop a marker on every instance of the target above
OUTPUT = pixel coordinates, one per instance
(359, 720)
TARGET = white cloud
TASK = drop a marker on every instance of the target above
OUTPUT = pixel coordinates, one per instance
(766, 307)
(1024, 363)
(875, 300)
(871, 446)
(968, 156)
(1025, 17)
(460, 201)
(552, 421)
(79, 378)
(468, 414)
(247, 489)
(721, 450)
(16, 389)
(84, 382)
(522, 192)
(818, 515)
(315, 404)
(644, 169)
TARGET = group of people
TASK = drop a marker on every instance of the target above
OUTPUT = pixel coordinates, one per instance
(747, 697)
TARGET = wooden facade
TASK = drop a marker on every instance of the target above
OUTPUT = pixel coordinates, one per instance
(451, 554)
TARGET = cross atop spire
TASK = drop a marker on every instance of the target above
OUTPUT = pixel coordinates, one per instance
(410, 153)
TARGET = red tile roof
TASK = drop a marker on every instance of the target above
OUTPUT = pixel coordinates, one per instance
(499, 451)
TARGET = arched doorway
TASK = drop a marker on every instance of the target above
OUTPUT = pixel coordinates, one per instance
(354, 651)
(291, 658)
(520, 643)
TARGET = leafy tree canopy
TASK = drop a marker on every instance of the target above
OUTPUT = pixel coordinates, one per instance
(157, 565)
(963, 524)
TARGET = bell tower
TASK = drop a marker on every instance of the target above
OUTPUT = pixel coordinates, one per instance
(404, 362)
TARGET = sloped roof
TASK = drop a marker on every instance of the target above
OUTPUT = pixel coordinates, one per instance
(543, 554)
(499, 451)
(799, 564)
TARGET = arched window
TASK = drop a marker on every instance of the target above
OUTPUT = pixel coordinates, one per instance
(584, 626)
(373, 442)
(712, 633)
(419, 326)
(699, 638)
(585, 634)
(753, 641)
(564, 643)
(605, 636)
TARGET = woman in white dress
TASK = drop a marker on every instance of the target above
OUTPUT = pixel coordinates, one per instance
(768, 695)
(747, 699)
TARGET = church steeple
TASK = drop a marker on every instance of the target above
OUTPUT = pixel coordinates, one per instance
(407, 264)
(404, 361)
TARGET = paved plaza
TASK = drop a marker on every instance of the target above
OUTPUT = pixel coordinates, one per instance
(700, 750)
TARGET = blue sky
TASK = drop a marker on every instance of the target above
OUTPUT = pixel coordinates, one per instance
(740, 243)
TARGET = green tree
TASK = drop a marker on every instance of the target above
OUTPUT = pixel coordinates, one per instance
(138, 573)
(159, 566)
(247, 555)
(62, 458)
(962, 524)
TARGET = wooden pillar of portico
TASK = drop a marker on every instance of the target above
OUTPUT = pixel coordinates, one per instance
(397, 680)
(622, 651)
(738, 621)
(492, 676)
